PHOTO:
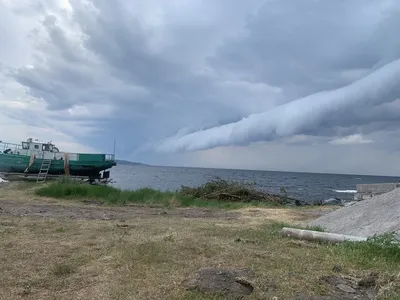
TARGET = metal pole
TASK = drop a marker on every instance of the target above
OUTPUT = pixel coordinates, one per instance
(114, 148)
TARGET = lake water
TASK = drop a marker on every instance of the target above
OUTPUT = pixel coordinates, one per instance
(302, 186)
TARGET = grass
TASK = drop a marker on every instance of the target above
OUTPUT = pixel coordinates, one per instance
(382, 248)
(150, 258)
(147, 196)
(63, 269)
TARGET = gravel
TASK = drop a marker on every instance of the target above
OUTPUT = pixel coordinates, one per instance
(375, 216)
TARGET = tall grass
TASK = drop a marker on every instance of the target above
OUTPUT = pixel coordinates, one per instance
(113, 196)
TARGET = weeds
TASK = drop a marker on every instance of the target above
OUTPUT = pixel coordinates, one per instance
(385, 247)
(376, 249)
(62, 269)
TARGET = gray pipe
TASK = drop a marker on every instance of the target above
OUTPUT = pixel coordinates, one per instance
(320, 236)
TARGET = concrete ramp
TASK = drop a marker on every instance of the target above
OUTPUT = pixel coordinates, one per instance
(377, 215)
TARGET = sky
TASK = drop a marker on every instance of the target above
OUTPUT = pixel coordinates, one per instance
(306, 86)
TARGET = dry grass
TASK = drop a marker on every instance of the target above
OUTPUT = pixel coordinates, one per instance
(23, 192)
(148, 257)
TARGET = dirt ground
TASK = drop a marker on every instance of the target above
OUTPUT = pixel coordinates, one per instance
(17, 200)
(53, 249)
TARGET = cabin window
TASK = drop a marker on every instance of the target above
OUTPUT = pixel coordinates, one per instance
(46, 147)
(25, 146)
(36, 147)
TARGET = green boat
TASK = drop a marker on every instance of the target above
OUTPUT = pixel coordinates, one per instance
(35, 157)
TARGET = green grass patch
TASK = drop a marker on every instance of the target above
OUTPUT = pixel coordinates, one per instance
(277, 227)
(384, 248)
(379, 249)
(65, 189)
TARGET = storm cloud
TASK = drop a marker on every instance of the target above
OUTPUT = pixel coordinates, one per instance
(166, 78)
(298, 116)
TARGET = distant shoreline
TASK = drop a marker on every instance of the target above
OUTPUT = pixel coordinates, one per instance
(127, 162)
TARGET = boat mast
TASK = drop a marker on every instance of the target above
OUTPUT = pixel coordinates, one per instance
(114, 148)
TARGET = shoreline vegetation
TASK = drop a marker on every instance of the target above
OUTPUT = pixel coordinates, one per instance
(100, 242)
(217, 193)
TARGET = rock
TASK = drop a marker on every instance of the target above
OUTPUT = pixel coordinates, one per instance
(345, 289)
(333, 201)
(229, 282)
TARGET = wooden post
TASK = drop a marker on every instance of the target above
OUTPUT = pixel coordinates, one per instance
(31, 161)
(66, 164)
(320, 236)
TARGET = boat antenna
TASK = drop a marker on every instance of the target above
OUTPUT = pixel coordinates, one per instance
(114, 147)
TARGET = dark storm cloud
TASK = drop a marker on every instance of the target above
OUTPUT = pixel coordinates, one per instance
(210, 63)
(307, 45)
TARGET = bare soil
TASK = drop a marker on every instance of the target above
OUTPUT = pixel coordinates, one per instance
(93, 212)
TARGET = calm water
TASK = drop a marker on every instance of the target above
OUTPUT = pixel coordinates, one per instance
(303, 186)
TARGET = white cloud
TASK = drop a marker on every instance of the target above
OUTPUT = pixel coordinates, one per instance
(296, 116)
(354, 139)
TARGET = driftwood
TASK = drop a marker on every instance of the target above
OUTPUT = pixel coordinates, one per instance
(320, 236)
(228, 196)
(235, 192)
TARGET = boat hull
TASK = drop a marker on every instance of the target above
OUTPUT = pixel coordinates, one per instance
(18, 164)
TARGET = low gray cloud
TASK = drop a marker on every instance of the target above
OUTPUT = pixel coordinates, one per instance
(184, 76)
(299, 116)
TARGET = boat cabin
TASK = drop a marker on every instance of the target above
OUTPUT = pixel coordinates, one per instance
(35, 145)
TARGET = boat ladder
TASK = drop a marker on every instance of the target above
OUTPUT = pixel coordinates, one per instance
(44, 170)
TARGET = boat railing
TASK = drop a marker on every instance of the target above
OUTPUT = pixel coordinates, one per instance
(11, 147)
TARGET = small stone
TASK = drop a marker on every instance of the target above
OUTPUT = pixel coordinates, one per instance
(332, 201)
(122, 225)
(337, 268)
(345, 288)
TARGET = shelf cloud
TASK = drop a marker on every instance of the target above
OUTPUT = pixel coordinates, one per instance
(298, 116)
